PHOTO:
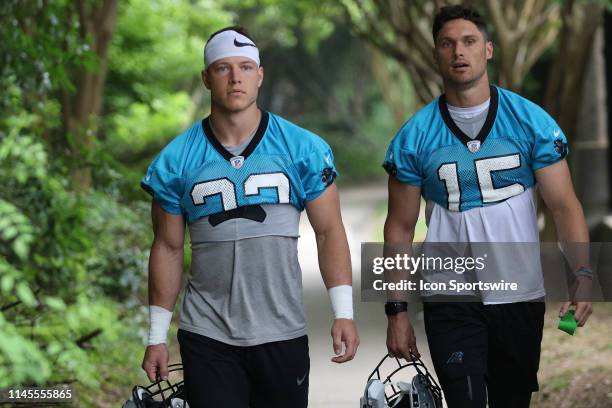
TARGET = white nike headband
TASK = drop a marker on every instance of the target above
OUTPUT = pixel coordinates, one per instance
(229, 44)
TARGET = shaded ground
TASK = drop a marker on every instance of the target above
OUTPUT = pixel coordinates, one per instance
(576, 371)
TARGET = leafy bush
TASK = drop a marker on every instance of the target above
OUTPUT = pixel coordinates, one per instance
(70, 264)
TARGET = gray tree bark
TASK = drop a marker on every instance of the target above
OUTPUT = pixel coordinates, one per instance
(590, 146)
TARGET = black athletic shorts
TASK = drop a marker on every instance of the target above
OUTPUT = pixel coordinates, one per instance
(498, 344)
(270, 375)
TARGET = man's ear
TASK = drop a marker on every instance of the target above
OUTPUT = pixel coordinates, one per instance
(489, 49)
(260, 75)
(205, 80)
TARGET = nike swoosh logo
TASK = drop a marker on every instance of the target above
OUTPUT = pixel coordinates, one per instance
(241, 44)
(557, 133)
(300, 381)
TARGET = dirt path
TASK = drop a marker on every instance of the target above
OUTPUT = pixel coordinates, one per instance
(333, 385)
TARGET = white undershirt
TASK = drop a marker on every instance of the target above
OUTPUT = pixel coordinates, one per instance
(470, 120)
(470, 111)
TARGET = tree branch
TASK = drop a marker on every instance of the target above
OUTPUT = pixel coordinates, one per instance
(8, 306)
(82, 341)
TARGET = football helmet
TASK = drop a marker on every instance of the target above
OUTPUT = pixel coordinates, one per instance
(160, 394)
(382, 392)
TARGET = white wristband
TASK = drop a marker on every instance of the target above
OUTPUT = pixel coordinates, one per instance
(342, 301)
(159, 323)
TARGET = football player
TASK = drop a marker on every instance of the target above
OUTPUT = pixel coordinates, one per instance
(239, 179)
(476, 155)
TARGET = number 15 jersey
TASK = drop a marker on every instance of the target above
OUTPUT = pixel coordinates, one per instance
(460, 173)
(482, 189)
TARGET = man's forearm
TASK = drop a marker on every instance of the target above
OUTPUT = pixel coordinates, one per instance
(165, 275)
(334, 258)
(569, 222)
(398, 240)
(573, 234)
(335, 266)
(397, 234)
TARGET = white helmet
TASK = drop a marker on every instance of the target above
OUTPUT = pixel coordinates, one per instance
(420, 392)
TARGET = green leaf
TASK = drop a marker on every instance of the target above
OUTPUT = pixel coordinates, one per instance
(21, 247)
(55, 303)
(9, 233)
(24, 293)
(7, 283)
(4, 220)
(54, 348)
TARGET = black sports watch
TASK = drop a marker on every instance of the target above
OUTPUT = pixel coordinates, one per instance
(393, 308)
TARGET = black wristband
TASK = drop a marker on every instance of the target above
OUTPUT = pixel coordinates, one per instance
(393, 308)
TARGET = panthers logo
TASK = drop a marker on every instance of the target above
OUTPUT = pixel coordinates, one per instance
(390, 168)
(327, 176)
(561, 148)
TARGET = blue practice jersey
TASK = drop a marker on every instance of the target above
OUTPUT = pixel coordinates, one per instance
(460, 173)
(196, 176)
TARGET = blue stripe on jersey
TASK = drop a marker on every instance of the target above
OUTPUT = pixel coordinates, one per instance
(459, 173)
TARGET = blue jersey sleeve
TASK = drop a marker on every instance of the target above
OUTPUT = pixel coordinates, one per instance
(550, 145)
(401, 161)
(163, 184)
(317, 170)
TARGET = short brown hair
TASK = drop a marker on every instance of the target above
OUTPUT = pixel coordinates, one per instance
(449, 13)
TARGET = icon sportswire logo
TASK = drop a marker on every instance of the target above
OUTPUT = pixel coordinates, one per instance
(241, 44)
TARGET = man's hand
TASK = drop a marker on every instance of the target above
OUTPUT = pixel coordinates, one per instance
(581, 299)
(401, 340)
(344, 331)
(155, 362)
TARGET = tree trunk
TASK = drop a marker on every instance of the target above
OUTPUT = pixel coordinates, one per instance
(523, 32)
(564, 96)
(81, 110)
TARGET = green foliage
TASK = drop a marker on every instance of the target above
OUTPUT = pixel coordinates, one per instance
(69, 264)
(40, 46)
(280, 22)
(15, 229)
(144, 124)
(157, 47)
(21, 360)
